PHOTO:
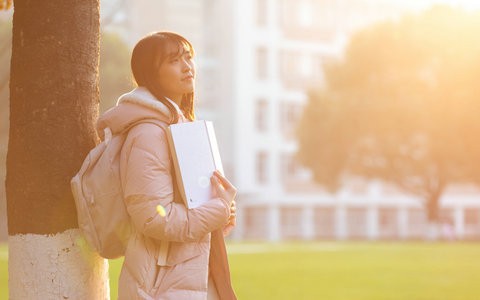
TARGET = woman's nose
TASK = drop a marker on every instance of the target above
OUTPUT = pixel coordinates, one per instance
(186, 66)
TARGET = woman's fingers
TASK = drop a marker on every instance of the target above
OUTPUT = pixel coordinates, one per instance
(217, 185)
(233, 208)
(219, 190)
(223, 187)
(232, 219)
(224, 181)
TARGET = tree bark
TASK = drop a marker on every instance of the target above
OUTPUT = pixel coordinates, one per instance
(432, 209)
(53, 107)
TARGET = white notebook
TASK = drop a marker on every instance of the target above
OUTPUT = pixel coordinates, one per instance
(195, 155)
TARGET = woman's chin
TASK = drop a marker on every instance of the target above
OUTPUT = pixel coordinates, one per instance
(189, 89)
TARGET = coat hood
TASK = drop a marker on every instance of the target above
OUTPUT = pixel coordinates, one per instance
(134, 106)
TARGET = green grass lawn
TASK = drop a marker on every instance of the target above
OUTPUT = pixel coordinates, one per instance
(350, 270)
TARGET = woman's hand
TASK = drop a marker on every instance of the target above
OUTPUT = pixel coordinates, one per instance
(225, 190)
(222, 188)
(232, 220)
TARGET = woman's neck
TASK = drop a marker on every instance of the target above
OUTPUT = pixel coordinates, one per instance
(176, 99)
(177, 104)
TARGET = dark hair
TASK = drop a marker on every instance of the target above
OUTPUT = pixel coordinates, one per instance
(147, 56)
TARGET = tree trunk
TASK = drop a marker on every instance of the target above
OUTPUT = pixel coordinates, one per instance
(53, 105)
(432, 209)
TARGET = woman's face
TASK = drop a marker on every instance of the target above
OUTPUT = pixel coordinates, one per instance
(176, 75)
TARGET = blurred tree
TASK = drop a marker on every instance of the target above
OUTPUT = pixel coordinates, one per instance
(402, 106)
(5, 4)
(115, 74)
(53, 108)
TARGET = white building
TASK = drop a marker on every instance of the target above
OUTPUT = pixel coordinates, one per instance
(256, 58)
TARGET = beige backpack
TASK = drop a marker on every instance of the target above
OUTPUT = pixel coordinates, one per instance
(97, 190)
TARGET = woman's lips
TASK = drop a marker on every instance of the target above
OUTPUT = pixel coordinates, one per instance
(189, 77)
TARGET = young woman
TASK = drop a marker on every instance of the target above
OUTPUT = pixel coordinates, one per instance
(177, 253)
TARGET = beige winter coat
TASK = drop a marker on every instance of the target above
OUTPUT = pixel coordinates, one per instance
(166, 257)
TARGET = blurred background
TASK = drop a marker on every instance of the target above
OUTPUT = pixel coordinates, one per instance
(336, 119)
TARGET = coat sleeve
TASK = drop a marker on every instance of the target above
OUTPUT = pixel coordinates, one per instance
(147, 182)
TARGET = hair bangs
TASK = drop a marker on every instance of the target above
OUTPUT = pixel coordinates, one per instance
(174, 46)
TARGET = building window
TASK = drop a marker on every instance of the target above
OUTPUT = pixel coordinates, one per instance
(387, 223)
(472, 223)
(295, 15)
(262, 10)
(291, 225)
(262, 167)
(287, 67)
(306, 66)
(289, 167)
(472, 217)
(324, 218)
(297, 69)
(261, 115)
(284, 9)
(357, 222)
(290, 114)
(262, 63)
(256, 225)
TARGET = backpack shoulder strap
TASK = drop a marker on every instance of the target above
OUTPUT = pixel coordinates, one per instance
(157, 122)
(108, 132)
